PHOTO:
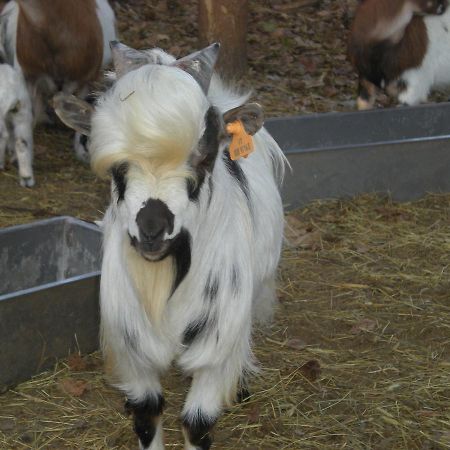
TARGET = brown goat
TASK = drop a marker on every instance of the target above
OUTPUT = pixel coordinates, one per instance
(387, 38)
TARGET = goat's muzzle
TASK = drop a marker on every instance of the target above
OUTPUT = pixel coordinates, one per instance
(155, 222)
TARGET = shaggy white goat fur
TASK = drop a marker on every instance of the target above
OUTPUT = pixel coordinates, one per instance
(153, 119)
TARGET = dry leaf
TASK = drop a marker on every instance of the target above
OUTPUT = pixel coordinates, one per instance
(363, 325)
(361, 248)
(73, 387)
(311, 370)
(7, 424)
(76, 362)
(253, 414)
(296, 344)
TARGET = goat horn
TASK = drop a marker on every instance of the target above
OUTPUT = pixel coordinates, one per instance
(200, 65)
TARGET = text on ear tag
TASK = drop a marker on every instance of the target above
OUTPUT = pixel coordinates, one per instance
(241, 143)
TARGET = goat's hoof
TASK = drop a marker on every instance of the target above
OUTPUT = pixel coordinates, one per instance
(27, 181)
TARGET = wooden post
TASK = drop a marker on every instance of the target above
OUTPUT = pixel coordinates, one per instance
(225, 21)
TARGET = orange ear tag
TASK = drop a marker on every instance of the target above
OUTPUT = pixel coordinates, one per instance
(241, 143)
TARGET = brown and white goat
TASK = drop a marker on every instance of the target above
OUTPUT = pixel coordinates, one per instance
(402, 46)
(58, 45)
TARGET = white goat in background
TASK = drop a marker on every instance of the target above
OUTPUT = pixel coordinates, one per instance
(192, 238)
(16, 119)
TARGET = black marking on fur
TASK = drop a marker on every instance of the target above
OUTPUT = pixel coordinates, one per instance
(243, 394)
(133, 240)
(119, 176)
(235, 280)
(211, 288)
(91, 98)
(181, 251)
(193, 330)
(83, 140)
(2, 58)
(198, 430)
(192, 188)
(211, 189)
(130, 339)
(146, 413)
(402, 85)
(235, 170)
(208, 147)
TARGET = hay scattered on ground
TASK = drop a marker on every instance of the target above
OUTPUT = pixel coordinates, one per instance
(358, 356)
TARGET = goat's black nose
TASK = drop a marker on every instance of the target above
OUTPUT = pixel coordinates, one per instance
(154, 219)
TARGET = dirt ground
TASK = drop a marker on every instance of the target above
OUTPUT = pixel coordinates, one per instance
(358, 356)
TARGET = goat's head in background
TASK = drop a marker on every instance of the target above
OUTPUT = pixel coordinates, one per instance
(158, 135)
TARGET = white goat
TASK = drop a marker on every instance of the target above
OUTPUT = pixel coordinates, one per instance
(16, 131)
(192, 238)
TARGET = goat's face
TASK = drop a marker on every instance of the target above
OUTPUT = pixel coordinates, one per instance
(151, 204)
(430, 6)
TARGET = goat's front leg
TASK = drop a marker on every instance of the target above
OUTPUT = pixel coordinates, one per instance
(211, 388)
(23, 146)
(367, 92)
(145, 401)
(416, 88)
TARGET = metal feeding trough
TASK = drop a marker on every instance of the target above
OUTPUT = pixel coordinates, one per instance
(402, 151)
(49, 282)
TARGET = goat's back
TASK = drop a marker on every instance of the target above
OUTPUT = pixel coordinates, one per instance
(62, 39)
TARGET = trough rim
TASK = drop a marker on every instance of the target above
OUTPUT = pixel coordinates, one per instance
(372, 112)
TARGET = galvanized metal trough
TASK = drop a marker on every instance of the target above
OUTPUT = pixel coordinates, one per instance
(49, 270)
(401, 151)
(49, 280)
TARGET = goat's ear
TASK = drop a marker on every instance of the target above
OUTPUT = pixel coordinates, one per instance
(126, 59)
(73, 112)
(251, 115)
